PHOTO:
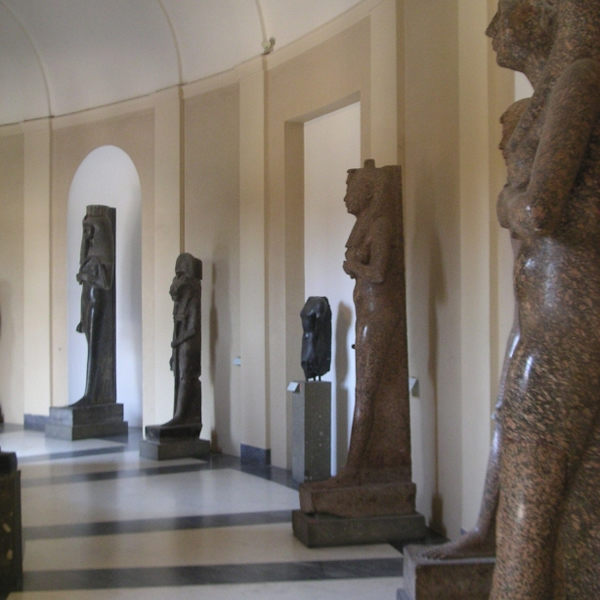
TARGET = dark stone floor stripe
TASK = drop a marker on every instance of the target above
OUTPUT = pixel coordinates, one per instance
(96, 579)
(72, 454)
(151, 525)
(110, 475)
(214, 462)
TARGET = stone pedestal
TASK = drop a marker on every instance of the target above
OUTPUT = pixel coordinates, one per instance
(167, 442)
(459, 579)
(11, 545)
(311, 430)
(373, 499)
(88, 421)
(319, 530)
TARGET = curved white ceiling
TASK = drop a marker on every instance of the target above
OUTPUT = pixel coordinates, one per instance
(63, 56)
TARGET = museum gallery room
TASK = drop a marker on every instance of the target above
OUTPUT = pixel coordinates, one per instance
(255, 300)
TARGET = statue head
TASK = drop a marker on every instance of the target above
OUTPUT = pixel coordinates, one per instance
(523, 33)
(188, 265)
(360, 189)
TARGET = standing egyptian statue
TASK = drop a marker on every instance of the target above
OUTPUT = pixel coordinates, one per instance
(316, 337)
(186, 292)
(376, 480)
(98, 304)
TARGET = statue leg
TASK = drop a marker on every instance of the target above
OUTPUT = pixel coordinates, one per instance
(481, 540)
(578, 553)
(533, 481)
(371, 355)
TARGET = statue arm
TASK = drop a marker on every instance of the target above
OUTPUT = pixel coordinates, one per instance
(96, 273)
(193, 327)
(573, 109)
(380, 236)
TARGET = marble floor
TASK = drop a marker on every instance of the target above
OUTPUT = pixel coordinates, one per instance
(101, 523)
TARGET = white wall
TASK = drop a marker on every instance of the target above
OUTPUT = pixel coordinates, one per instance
(108, 176)
(331, 147)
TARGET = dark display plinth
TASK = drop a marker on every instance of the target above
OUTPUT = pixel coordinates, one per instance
(88, 421)
(311, 430)
(11, 553)
(456, 579)
(319, 530)
(167, 442)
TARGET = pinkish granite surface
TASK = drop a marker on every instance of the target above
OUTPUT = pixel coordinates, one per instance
(544, 475)
(376, 479)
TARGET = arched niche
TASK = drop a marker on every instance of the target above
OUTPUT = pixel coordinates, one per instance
(108, 176)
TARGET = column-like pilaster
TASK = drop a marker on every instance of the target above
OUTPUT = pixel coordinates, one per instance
(37, 310)
(254, 401)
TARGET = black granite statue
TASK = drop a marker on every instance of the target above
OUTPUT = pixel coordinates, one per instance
(98, 304)
(186, 291)
(179, 437)
(316, 339)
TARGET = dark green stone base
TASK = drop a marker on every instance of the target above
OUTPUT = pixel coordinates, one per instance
(170, 450)
(82, 422)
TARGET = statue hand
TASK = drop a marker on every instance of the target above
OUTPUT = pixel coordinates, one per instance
(79, 327)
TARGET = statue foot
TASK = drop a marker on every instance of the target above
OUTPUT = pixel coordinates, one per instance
(472, 544)
(178, 420)
(85, 401)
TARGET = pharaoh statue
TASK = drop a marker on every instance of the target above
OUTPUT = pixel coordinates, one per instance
(98, 304)
(186, 292)
(179, 437)
(544, 471)
(316, 337)
(376, 480)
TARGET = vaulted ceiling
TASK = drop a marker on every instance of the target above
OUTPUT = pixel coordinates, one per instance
(64, 56)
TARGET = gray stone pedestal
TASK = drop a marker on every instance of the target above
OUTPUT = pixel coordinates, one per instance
(311, 430)
(459, 579)
(11, 545)
(88, 421)
(320, 530)
(167, 442)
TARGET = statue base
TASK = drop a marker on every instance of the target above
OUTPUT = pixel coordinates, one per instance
(311, 430)
(87, 421)
(168, 442)
(357, 500)
(11, 544)
(431, 579)
(321, 530)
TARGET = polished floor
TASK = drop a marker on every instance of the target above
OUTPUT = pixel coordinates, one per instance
(101, 523)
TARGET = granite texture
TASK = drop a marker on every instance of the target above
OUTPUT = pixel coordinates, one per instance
(11, 536)
(171, 449)
(311, 431)
(98, 304)
(185, 426)
(78, 422)
(545, 470)
(376, 480)
(453, 579)
(316, 337)
(320, 531)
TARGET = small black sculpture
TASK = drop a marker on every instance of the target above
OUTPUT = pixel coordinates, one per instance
(98, 304)
(316, 340)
